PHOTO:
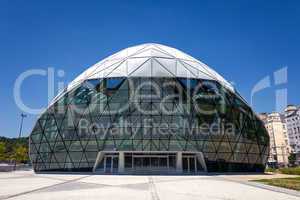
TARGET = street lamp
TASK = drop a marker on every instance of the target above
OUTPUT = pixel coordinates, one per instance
(20, 133)
(21, 126)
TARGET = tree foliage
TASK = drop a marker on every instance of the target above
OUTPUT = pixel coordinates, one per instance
(20, 154)
(292, 159)
(14, 149)
(2, 150)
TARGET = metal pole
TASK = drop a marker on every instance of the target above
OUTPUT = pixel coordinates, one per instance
(21, 126)
(20, 133)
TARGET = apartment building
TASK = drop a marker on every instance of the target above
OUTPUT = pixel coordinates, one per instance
(279, 144)
(292, 120)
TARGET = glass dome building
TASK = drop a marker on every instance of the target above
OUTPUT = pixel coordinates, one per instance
(149, 109)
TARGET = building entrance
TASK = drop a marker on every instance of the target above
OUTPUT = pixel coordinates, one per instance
(189, 164)
(146, 162)
(109, 164)
(149, 162)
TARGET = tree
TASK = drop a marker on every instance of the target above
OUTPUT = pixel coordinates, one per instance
(11, 148)
(2, 151)
(20, 153)
(292, 159)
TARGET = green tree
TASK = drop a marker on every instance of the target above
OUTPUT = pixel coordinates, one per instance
(2, 151)
(14, 149)
(20, 154)
(292, 159)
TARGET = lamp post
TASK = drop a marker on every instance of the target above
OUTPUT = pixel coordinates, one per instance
(21, 126)
(20, 134)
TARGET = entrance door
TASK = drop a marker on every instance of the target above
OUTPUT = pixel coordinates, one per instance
(150, 162)
(111, 164)
(189, 164)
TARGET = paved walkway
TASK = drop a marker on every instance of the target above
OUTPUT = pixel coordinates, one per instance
(30, 186)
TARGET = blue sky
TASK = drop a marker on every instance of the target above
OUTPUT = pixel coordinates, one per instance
(243, 40)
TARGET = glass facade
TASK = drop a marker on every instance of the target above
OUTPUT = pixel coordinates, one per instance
(149, 114)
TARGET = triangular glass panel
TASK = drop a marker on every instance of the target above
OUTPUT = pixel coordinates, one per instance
(134, 63)
(144, 70)
(158, 70)
(169, 64)
(182, 71)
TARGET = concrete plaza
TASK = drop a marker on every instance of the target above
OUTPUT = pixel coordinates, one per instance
(28, 185)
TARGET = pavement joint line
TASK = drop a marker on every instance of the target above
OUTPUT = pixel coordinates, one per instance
(186, 179)
(191, 179)
(152, 188)
(99, 184)
(42, 188)
(152, 182)
(115, 186)
(266, 187)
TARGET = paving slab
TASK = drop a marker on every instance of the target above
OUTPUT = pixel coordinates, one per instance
(249, 177)
(106, 193)
(30, 186)
(215, 188)
(115, 180)
(15, 186)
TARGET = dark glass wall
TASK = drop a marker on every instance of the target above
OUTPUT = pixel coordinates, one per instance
(149, 114)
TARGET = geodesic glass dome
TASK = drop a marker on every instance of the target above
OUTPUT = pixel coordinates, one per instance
(148, 99)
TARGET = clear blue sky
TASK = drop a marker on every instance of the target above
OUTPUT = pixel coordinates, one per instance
(243, 40)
